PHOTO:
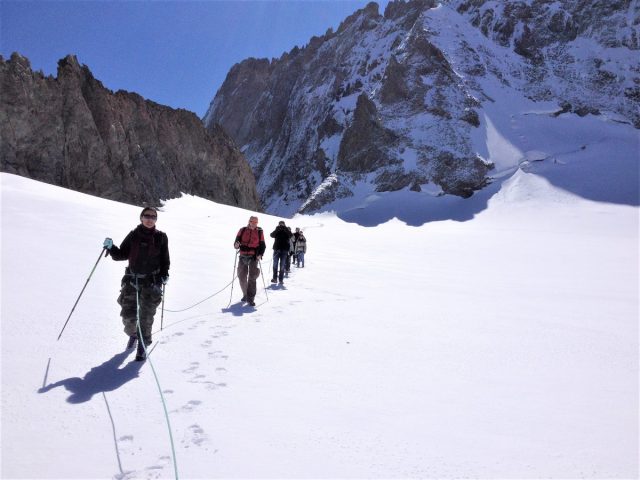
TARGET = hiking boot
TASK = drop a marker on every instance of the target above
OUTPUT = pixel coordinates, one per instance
(252, 303)
(141, 355)
(243, 299)
(132, 342)
(273, 280)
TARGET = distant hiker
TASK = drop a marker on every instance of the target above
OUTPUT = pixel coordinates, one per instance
(280, 251)
(291, 252)
(301, 249)
(147, 250)
(250, 243)
(295, 240)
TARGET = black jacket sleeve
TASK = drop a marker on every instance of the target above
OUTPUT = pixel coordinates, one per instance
(165, 261)
(262, 246)
(122, 253)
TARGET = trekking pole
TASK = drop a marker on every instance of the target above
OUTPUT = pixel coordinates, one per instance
(82, 291)
(233, 277)
(263, 283)
(162, 311)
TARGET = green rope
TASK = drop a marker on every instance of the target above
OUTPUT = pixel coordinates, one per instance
(201, 301)
(164, 404)
(219, 291)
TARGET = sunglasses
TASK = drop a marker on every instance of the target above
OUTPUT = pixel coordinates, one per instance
(150, 217)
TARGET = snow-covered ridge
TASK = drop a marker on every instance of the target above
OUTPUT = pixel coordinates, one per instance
(406, 100)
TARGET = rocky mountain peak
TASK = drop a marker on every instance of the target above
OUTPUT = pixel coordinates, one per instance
(361, 19)
(18, 61)
(395, 101)
(409, 10)
(73, 132)
(70, 62)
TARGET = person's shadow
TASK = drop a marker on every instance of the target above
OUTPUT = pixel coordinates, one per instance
(238, 309)
(103, 378)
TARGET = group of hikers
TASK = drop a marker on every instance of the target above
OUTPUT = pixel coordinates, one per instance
(251, 245)
(147, 250)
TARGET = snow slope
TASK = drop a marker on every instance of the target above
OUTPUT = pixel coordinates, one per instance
(592, 157)
(503, 346)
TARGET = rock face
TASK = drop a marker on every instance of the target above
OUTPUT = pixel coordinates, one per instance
(397, 101)
(72, 132)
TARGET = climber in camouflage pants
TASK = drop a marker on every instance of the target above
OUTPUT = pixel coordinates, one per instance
(150, 298)
(147, 250)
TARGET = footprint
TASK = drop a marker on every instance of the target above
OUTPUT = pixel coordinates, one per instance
(195, 436)
(194, 366)
(218, 354)
(155, 470)
(215, 386)
(190, 406)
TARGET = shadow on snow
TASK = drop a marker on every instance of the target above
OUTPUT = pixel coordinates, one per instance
(238, 309)
(103, 378)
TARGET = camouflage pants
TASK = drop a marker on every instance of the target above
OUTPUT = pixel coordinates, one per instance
(248, 272)
(150, 298)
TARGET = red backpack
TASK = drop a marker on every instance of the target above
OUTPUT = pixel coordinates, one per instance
(249, 242)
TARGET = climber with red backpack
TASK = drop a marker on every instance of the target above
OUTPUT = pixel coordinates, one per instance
(251, 246)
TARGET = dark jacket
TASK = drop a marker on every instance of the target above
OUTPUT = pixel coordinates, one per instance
(251, 241)
(147, 250)
(282, 236)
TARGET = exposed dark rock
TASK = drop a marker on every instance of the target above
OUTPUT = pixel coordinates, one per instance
(364, 142)
(409, 11)
(391, 180)
(460, 176)
(361, 19)
(563, 26)
(329, 127)
(394, 85)
(581, 110)
(471, 117)
(322, 163)
(72, 132)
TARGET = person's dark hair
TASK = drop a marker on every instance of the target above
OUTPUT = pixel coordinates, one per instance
(148, 209)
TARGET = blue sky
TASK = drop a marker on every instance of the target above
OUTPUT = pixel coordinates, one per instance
(176, 53)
